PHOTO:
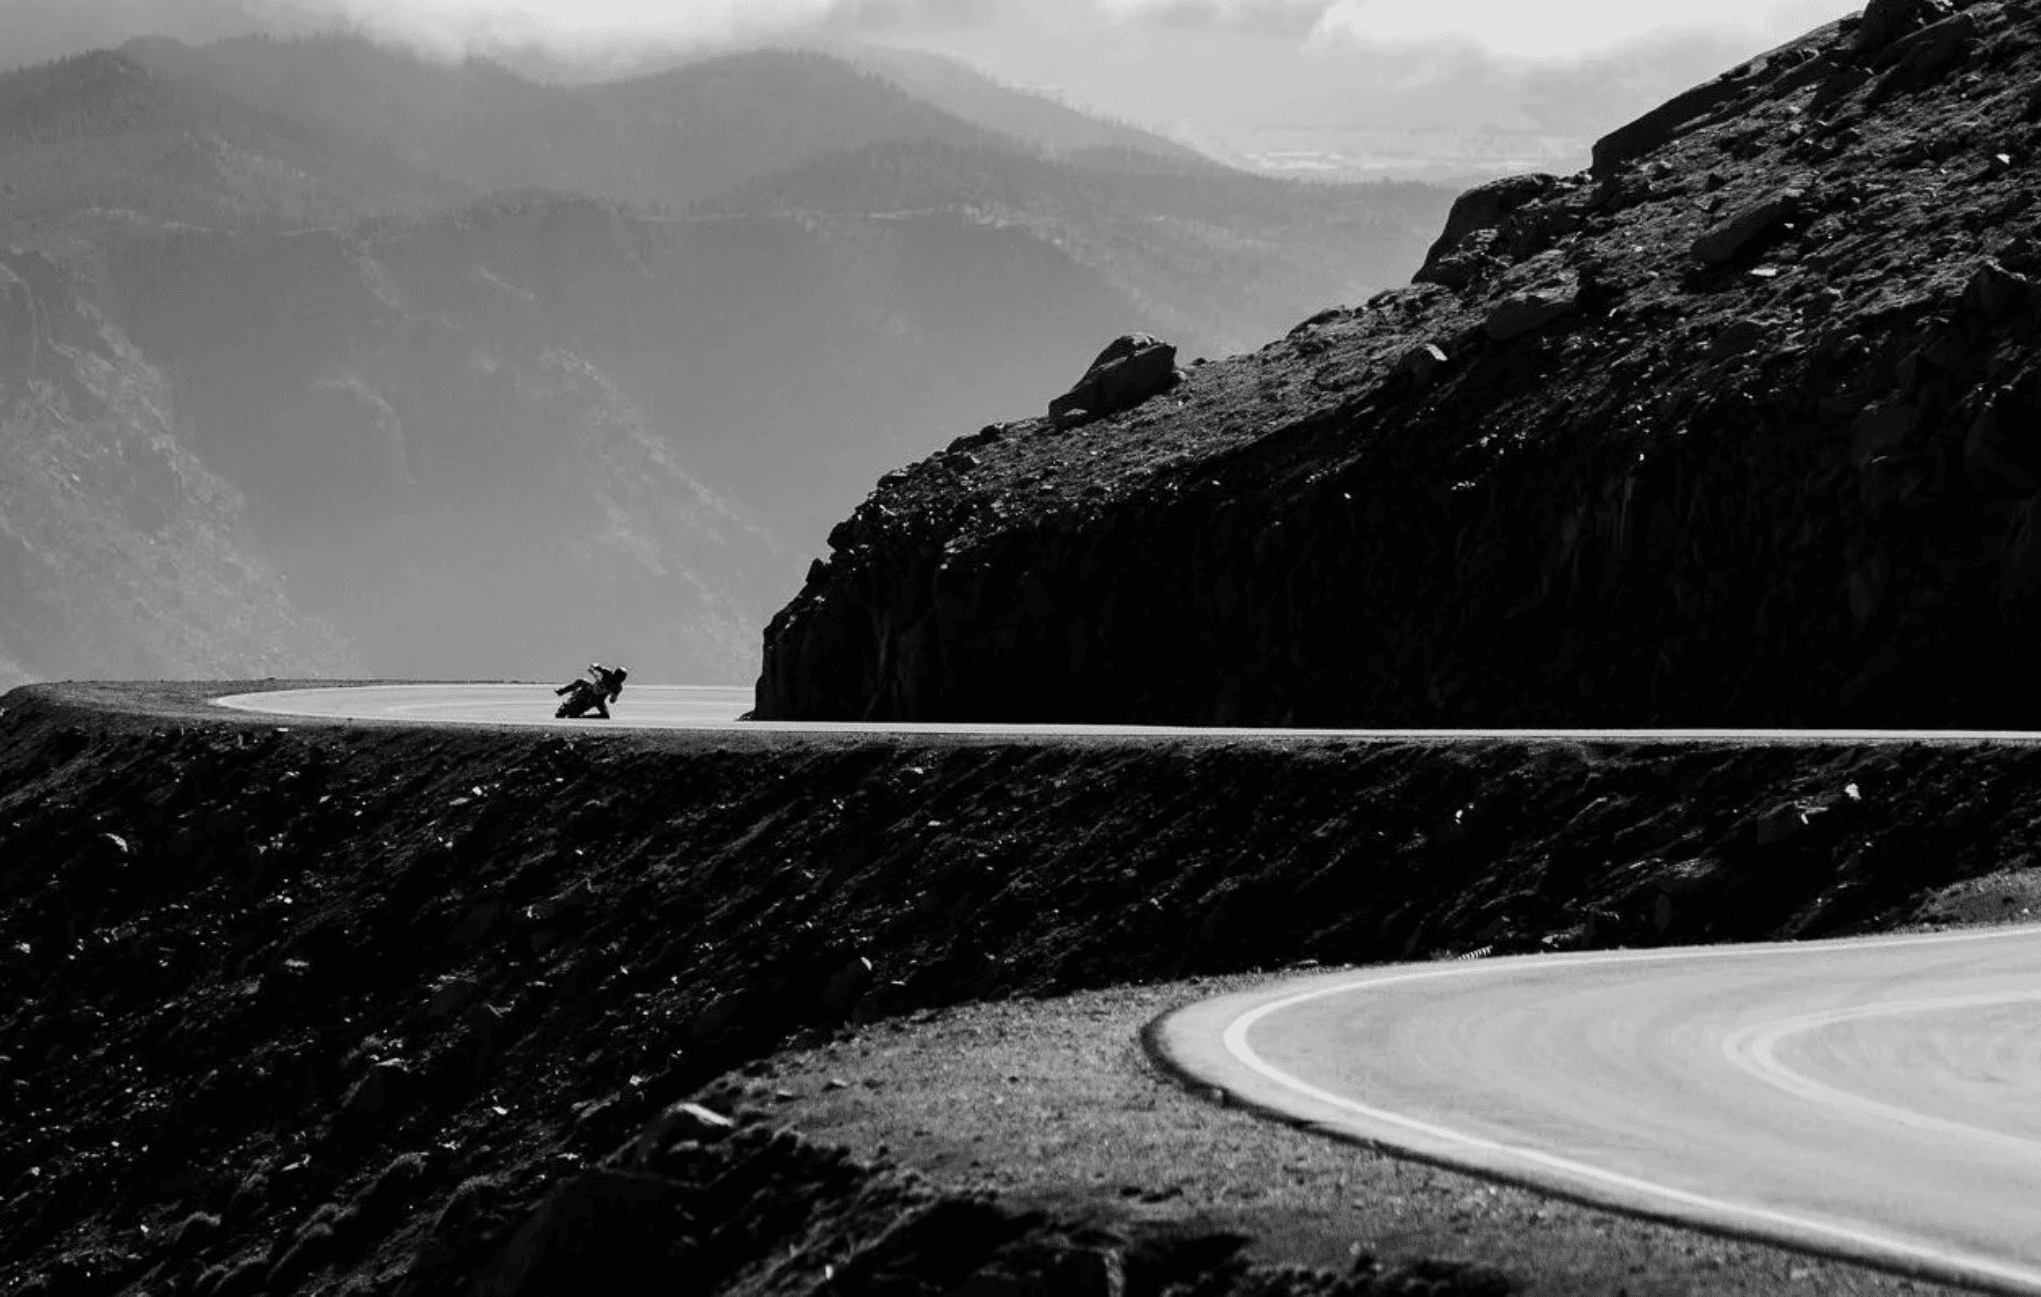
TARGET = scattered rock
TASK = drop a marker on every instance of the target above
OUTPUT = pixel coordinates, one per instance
(680, 1122)
(381, 1091)
(1421, 364)
(1880, 429)
(1782, 823)
(1741, 336)
(846, 984)
(1995, 292)
(1729, 239)
(1129, 371)
(1528, 312)
(451, 995)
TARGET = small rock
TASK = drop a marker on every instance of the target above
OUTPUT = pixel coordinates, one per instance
(1994, 292)
(452, 995)
(1527, 312)
(1724, 242)
(678, 1123)
(381, 1090)
(1740, 336)
(1421, 364)
(1128, 372)
(847, 983)
(716, 1016)
(1881, 428)
(1781, 823)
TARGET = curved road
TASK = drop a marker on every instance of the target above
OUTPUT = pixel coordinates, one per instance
(678, 707)
(1876, 1099)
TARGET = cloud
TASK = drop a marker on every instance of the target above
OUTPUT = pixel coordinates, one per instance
(1555, 27)
(1566, 27)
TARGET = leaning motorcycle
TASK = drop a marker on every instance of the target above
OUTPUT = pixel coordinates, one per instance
(581, 700)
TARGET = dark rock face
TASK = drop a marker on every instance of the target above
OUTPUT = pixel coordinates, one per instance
(1128, 372)
(1735, 428)
(257, 1054)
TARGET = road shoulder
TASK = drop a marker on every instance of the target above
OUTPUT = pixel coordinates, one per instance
(1055, 1100)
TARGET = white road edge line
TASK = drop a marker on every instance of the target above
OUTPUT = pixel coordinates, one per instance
(273, 703)
(1716, 1210)
(1753, 1049)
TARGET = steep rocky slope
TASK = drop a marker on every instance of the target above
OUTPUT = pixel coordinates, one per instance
(1736, 428)
(121, 553)
(360, 1008)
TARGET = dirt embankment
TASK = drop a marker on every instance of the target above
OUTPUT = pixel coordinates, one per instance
(1735, 429)
(376, 1009)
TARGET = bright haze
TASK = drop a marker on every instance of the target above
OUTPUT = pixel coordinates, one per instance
(1447, 89)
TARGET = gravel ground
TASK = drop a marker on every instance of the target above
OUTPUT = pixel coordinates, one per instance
(1055, 1101)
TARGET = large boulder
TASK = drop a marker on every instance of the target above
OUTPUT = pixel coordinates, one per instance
(1481, 208)
(1134, 368)
(1885, 21)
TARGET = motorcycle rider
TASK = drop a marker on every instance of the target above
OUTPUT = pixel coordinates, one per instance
(604, 683)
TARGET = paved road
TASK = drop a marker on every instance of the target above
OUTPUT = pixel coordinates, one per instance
(694, 708)
(641, 707)
(1877, 1099)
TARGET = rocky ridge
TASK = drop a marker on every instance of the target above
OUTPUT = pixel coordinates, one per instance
(1735, 428)
(381, 1009)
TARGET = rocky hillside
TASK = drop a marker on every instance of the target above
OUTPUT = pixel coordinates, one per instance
(121, 552)
(101, 142)
(1736, 428)
(385, 1010)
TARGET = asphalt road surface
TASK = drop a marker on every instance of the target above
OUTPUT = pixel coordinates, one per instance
(678, 707)
(1876, 1099)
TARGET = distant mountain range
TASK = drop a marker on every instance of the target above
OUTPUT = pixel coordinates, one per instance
(321, 355)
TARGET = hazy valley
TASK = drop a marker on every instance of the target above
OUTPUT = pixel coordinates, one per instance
(492, 373)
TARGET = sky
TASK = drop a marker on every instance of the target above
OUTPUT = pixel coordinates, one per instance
(1445, 89)
(1524, 28)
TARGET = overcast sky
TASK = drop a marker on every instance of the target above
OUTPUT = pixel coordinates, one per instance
(1518, 27)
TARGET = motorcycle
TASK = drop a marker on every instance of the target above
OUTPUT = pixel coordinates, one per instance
(582, 698)
(592, 692)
